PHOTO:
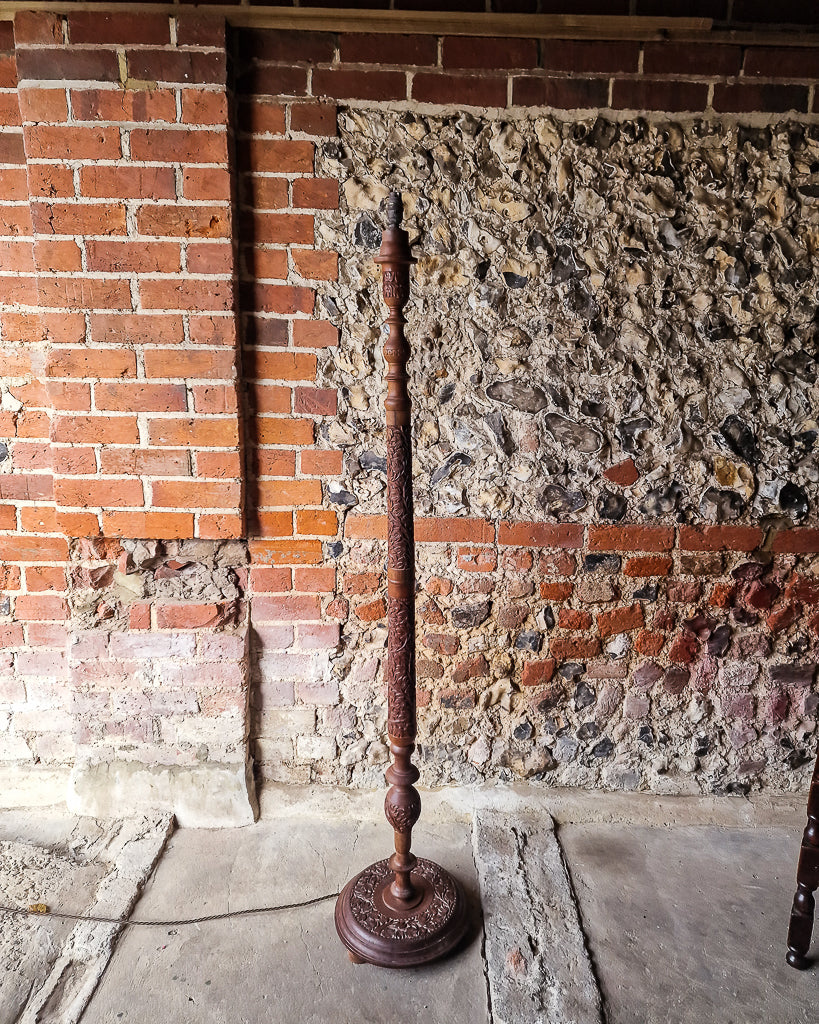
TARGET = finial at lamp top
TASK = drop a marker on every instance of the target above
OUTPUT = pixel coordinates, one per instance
(395, 210)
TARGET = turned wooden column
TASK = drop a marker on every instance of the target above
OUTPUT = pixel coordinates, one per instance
(403, 911)
(402, 804)
(807, 882)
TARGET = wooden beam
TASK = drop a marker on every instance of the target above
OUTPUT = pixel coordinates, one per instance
(439, 23)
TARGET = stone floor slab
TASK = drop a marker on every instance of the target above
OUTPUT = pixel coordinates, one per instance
(688, 925)
(537, 966)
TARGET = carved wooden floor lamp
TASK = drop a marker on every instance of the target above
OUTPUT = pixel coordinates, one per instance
(403, 911)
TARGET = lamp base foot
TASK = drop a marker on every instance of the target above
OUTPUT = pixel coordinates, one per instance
(386, 936)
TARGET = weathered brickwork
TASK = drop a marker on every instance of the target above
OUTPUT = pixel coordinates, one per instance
(185, 580)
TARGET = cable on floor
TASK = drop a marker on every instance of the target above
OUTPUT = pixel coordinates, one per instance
(37, 911)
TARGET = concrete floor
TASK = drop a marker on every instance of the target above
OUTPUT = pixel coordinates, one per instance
(683, 905)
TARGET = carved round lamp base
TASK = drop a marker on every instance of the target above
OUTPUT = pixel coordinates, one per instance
(376, 933)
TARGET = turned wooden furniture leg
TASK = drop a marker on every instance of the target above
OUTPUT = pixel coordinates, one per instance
(807, 882)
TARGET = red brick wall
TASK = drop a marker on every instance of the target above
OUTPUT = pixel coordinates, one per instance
(160, 338)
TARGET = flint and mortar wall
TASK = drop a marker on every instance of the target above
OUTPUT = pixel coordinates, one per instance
(614, 323)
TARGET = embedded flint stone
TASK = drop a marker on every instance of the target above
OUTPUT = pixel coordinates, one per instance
(521, 396)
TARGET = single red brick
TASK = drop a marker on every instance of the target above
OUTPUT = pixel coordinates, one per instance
(321, 463)
(659, 94)
(683, 591)
(185, 66)
(804, 589)
(99, 28)
(743, 98)
(478, 531)
(716, 538)
(79, 219)
(284, 430)
(702, 563)
(316, 401)
(791, 62)
(279, 228)
(278, 156)
(206, 184)
(574, 648)
(478, 53)
(104, 182)
(339, 608)
(573, 618)
(43, 105)
(191, 616)
(182, 145)
(70, 142)
(623, 473)
(287, 608)
(631, 538)
(139, 615)
(143, 105)
(38, 27)
(315, 265)
(556, 591)
(40, 607)
(561, 93)
(273, 524)
(649, 643)
(200, 29)
(648, 565)
(274, 81)
(315, 193)
(316, 522)
(802, 540)
(48, 63)
(669, 58)
(200, 106)
(403, 50)
(547, 535)
(360, 85)
(431, 613)
(760, 595)
(316, 118)
(620, 620)
(316, 580)
(537, 672)
(575, 56)
(314, 334)
(474, 668)
(287, 45)
(187, 364)
(469, 90)
(216, 432)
